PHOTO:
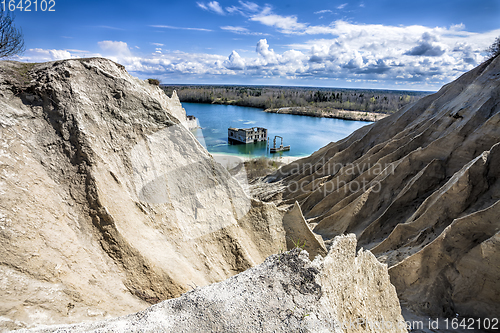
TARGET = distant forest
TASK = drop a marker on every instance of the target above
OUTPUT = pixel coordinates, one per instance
(325, 99)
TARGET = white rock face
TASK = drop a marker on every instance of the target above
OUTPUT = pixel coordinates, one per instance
(343, 292)
(108, 203)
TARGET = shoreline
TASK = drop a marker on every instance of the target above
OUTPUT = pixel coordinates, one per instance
(336, 113)
(314, 112)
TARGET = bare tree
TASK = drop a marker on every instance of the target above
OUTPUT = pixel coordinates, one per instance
(11, 38)
(494, 48)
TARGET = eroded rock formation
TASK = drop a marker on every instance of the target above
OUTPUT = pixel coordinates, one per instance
(342, 292)
(421, 190)
(299, 233)
(108, 203)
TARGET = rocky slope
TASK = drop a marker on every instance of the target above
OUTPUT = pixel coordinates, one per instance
(342, 292)
(421, 189)
(108, 203)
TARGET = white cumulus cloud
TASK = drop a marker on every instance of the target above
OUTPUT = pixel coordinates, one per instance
(285, 24)
(383, 56)
(43, 55)
(234, 61)
(263, 50)
(403, 57)
(114, 48)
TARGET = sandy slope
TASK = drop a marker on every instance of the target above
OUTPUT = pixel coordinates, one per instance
(421, 189)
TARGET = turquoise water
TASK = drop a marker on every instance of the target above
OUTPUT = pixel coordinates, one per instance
(304, 134)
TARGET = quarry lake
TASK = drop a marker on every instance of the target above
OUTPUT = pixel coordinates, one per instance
(304, 134)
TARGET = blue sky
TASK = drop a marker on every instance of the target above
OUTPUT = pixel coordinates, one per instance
(418, 45)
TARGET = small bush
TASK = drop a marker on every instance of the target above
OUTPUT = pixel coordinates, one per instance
(257, 167)
(154, 82)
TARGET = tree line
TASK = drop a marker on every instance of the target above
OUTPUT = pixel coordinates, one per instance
(266, 97)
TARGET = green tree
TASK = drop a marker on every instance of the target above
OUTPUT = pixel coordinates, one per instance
(494, 49)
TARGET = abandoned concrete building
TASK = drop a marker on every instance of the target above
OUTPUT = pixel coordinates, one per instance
(246, 135)
(191, 122)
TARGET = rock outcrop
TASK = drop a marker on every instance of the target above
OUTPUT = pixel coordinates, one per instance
(108, 204)
(421, 189)
(342, 292)
(299, 234)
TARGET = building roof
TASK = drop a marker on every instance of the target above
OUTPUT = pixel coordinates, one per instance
(246, 129)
